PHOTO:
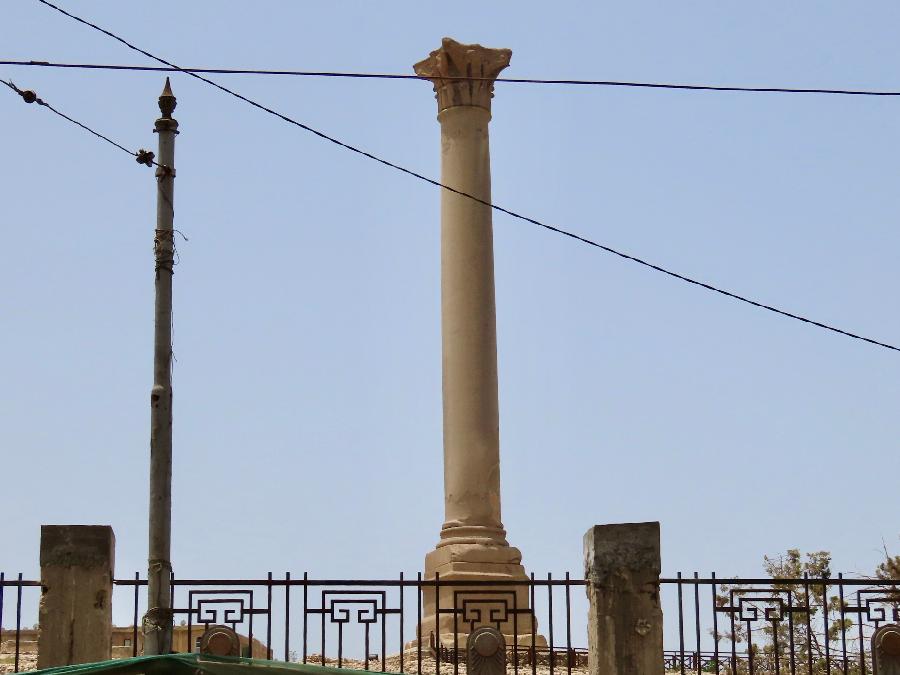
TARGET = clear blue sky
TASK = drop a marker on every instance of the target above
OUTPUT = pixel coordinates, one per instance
(307, 400)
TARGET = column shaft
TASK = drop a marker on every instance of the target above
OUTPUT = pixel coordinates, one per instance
(473, 544)
(471, 420)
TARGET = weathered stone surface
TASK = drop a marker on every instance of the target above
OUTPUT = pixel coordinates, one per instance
(75, 614)
(472, 514)
(448, 67)
(473, 545)
(454, 562)
(85, 546)
(625, 630)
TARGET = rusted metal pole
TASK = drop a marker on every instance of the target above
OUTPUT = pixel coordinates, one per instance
(157, 624)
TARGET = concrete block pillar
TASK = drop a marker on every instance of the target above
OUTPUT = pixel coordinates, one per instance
(75, 615)
(625, 630)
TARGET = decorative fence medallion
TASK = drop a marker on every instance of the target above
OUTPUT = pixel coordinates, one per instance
(486, 652)
(220, 641)
(886, 650)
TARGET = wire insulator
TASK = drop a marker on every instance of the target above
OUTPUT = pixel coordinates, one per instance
(144, 157)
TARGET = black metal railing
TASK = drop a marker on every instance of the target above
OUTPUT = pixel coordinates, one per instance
(802, 626)
(376, 624)
(14, 612)
(563, 659)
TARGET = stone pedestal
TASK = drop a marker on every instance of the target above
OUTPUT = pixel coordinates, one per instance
(625, 630)
(506, 606)
(75, 614)
(472, 542)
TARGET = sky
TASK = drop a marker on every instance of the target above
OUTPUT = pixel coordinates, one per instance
(307, 409)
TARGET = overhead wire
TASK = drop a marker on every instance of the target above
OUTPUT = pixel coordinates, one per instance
(145, 157)
(29, 96)
(436, 183)
(402, 76)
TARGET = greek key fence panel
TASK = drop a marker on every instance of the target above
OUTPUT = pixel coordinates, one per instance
(799, 626)
(726, 626)
(375, 624)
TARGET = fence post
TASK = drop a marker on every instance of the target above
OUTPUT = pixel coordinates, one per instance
(886, 650)
(75, 615)
(622, 567)
(486, 652)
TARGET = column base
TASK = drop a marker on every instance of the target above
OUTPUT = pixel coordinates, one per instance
(506, 606)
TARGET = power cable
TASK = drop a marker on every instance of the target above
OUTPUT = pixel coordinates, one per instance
(141, 156)
(145, 157)
(500, 209)
(396, 76)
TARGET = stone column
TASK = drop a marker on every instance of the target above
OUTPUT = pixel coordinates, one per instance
(472, 540)
(75, 614)
(625, 631)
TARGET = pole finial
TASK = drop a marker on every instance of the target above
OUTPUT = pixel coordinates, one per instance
(167, 101)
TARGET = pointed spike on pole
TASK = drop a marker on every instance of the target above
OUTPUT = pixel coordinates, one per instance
(167, 100)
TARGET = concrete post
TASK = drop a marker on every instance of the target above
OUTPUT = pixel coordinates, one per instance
(157, 624)
(75, 614)
(625, 630)
(472, 541)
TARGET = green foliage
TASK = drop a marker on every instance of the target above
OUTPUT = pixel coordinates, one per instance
(812, 627)
(778, 634)
(889, 568)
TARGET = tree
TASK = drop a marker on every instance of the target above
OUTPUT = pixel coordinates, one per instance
(797, 618)
(787, 615)
(889, 568)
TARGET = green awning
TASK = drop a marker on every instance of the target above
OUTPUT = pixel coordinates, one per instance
(194, 664)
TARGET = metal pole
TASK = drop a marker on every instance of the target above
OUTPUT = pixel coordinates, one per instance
(157, 624)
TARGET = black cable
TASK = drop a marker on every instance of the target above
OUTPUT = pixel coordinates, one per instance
(501, 209)
(30, 97)
(514, 80)
(142, 156)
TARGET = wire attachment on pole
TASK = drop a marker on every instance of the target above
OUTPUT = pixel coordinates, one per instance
(30, 96)
(145, 157)
(164, 250)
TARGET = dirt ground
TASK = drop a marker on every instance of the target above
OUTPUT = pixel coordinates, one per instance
(26, 662)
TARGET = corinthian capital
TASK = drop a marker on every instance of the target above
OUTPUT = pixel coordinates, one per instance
(449, 66)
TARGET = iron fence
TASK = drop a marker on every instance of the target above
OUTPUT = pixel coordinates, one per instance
(14, 612)
(376, 624)
(802, 626)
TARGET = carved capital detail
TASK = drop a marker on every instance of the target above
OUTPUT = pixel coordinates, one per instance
(449, 66)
